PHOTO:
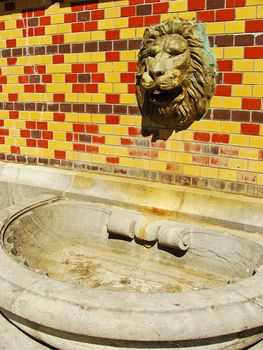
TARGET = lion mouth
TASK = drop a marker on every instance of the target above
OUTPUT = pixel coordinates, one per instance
(164, 97)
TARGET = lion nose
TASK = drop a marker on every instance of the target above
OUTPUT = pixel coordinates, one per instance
(156, 72)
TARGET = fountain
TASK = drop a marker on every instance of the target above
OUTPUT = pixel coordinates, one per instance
(99, 262)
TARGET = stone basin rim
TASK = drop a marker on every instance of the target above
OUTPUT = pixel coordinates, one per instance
(166, 313)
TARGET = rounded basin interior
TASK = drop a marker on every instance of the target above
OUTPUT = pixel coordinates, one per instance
(68, 241)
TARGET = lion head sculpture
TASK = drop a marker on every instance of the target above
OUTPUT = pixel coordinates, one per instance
(175, 77)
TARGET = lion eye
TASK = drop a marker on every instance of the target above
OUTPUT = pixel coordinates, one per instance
(152, 52)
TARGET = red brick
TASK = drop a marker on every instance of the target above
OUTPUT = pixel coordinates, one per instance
(58, 59)
(40, 88)
(97, 14)
(12, 97)
(225, 15)
(136, 2)
(78, 88)
(135, 22)
(233, 78)
(98, 139)
(77, 8)
(45, 21)
(92, 149)
(39, 31)
(4, 132)
(220, 138)
(219, 162)
(132, 131)
(91, 67)
(128, 11)
(201, 136)
(2, 140)
(2, 25)
(77, 27)
(91, 26)
(3, 80)
(229, 151)
(69, 136)
(249, 129)
(39, 13)
(92, 129)
(254, 25)
(47, 135)
(131, 88)
(41, 69)
(113, 98)
(92, 6)
(225, 65)
(251, 103)
(253, 52)
(71, 78)
(70, 17)
(31, 124)
(59, 97)
(223, 90)
(112, 56)
(151, 20)
(132, 66)
(29, 88)
(196, 5)
(60, 154)
(42, 125)
(127, 78)
(260, 154)
(19, 23)
(126, 141)
(206, 16)
(29, 70)
(78, 127)
(79, 147)
(15, 150)
(31, 143)
(98, 77)
(47, 78)
(58, 39)
(13, 114)
(161, 7)
(92, 88)
(113, 34)
(42, 143)
(78, 68)
(10, 43)
(112, 160)
(24, 133)
(199, 159)
(11, 61)
(112, 119)
(59, 117)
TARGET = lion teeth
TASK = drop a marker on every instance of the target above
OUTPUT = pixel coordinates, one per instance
(156, 92)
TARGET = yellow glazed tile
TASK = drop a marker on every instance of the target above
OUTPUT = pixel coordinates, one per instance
(105, 24)
(105, 87)
(229, 175)
(248, 153)
(57, 19)
(98, 118)
(128, 98)
(84, 57)
(85, 157)
(64, 28)
(128, 56)
(105, 67)
(85, 98)
(246, 12)
(258, 65)
(191, 170)
(128, 33)
(120, 88)
(98, 57)
(70, 58)
(218, 51)
(191, 15)
(241, 90)
(59, 135)
(97, 36)
(120, 23)
(105, 129)
(215, 28)
(257, 91)
(255, 141)
(178, 6)
(209, 172)
(72, 117)
(242, 65)
(233, 52)
(231, 102)
(120, 67)
(253, 2)
(52, 29)
(98, 158)
(240, 164)
(230, 127)
(239, 140)
(252, 78)
(98, 98)
(84, 118)
(82, 37)
(127, 162)
(255, 166)
(112, 12)
(235, 26)
(157, 166)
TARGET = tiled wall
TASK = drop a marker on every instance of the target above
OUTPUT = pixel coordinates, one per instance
(67, 83)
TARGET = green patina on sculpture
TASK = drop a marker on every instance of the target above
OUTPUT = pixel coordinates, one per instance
(175, 78)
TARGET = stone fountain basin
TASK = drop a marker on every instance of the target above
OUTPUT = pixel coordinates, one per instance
(82, 275)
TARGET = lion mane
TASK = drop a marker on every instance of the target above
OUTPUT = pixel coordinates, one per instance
(190, 97)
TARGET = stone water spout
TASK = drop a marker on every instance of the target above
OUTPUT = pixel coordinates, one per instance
(175, 77)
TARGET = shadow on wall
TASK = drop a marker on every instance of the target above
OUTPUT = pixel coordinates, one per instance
(8, 6)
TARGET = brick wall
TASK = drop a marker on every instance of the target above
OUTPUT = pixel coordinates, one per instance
(67, 83)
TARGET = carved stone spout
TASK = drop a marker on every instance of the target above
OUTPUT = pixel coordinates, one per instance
(175, 77)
